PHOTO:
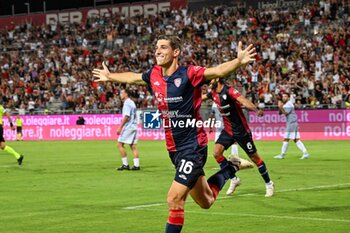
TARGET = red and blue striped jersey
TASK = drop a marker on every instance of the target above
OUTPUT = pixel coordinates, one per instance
(179, 100)
(235, 122)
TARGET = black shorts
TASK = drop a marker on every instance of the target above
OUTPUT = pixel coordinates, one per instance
(189, 165)
(2, 139)
(245, 141)
(19, 129)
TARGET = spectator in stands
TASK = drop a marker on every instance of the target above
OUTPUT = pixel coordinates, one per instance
(80, 121)
(318, 53)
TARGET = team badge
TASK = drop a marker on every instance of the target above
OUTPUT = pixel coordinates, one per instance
(224, 96)
(177, 82)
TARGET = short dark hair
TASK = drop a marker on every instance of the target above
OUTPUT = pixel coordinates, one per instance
(286, 93)
(175, 41)
(127, 91)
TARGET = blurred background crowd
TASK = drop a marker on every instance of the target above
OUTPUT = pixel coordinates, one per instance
(304, 51)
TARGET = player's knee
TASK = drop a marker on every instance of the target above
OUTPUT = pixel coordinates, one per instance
(217, 153)
(174, 201)
(206, 204)
(255, 158)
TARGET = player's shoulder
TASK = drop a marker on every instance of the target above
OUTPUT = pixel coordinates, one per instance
(193, 68)
(129, 101)
(231, 89)
(289, 104)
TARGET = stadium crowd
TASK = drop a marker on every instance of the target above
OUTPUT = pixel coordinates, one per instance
(304, 51)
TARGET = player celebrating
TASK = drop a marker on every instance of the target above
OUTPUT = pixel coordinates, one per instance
(236, 129)
(286, 107)
(178, 92)
(215, 114)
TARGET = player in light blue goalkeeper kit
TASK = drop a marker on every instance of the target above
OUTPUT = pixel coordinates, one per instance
(128, 132)
(286, 107)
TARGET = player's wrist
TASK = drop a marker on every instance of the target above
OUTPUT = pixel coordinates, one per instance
(239, 60)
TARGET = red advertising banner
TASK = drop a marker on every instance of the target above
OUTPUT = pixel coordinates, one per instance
(80, 15)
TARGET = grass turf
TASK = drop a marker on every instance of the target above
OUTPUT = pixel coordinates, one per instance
(72, 186)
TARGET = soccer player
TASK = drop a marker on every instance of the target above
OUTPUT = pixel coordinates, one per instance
(215, 114)
(286, 107)
(19, 127)
(236, 129)
(128, 132)
(178, 93)
(3, 146)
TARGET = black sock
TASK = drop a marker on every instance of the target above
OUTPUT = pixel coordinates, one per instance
(263, 172)
(219, 179)
(171, 228)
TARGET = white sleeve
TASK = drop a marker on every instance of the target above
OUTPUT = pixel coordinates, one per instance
(288, 107)
(127, 110)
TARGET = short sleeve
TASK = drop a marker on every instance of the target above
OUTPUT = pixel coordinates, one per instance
(288, 107)
(146, 77)
(127, 109)
(233, 93)
(3, 110)
(196, 75)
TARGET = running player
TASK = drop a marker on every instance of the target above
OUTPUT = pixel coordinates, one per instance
(3, 146)
(178, 93)
(236, 128)
(215, 114)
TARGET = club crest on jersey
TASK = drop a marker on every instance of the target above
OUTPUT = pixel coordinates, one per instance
(224, 96)
(177, 82)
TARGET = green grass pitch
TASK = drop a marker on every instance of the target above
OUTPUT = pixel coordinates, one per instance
(72, 186)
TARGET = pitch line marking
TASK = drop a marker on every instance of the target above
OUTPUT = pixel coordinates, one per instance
(259, 216)
(246, 194)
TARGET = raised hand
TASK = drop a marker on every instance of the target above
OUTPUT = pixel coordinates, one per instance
(101, 74)
(247, 55)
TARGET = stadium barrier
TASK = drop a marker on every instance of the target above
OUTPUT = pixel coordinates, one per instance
(314, 125)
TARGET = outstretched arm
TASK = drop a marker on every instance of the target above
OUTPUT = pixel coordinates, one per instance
(249, 104)
(126, 77)
(243, 57)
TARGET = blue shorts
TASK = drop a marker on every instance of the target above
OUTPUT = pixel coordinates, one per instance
(245, 141)
(189, 165)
